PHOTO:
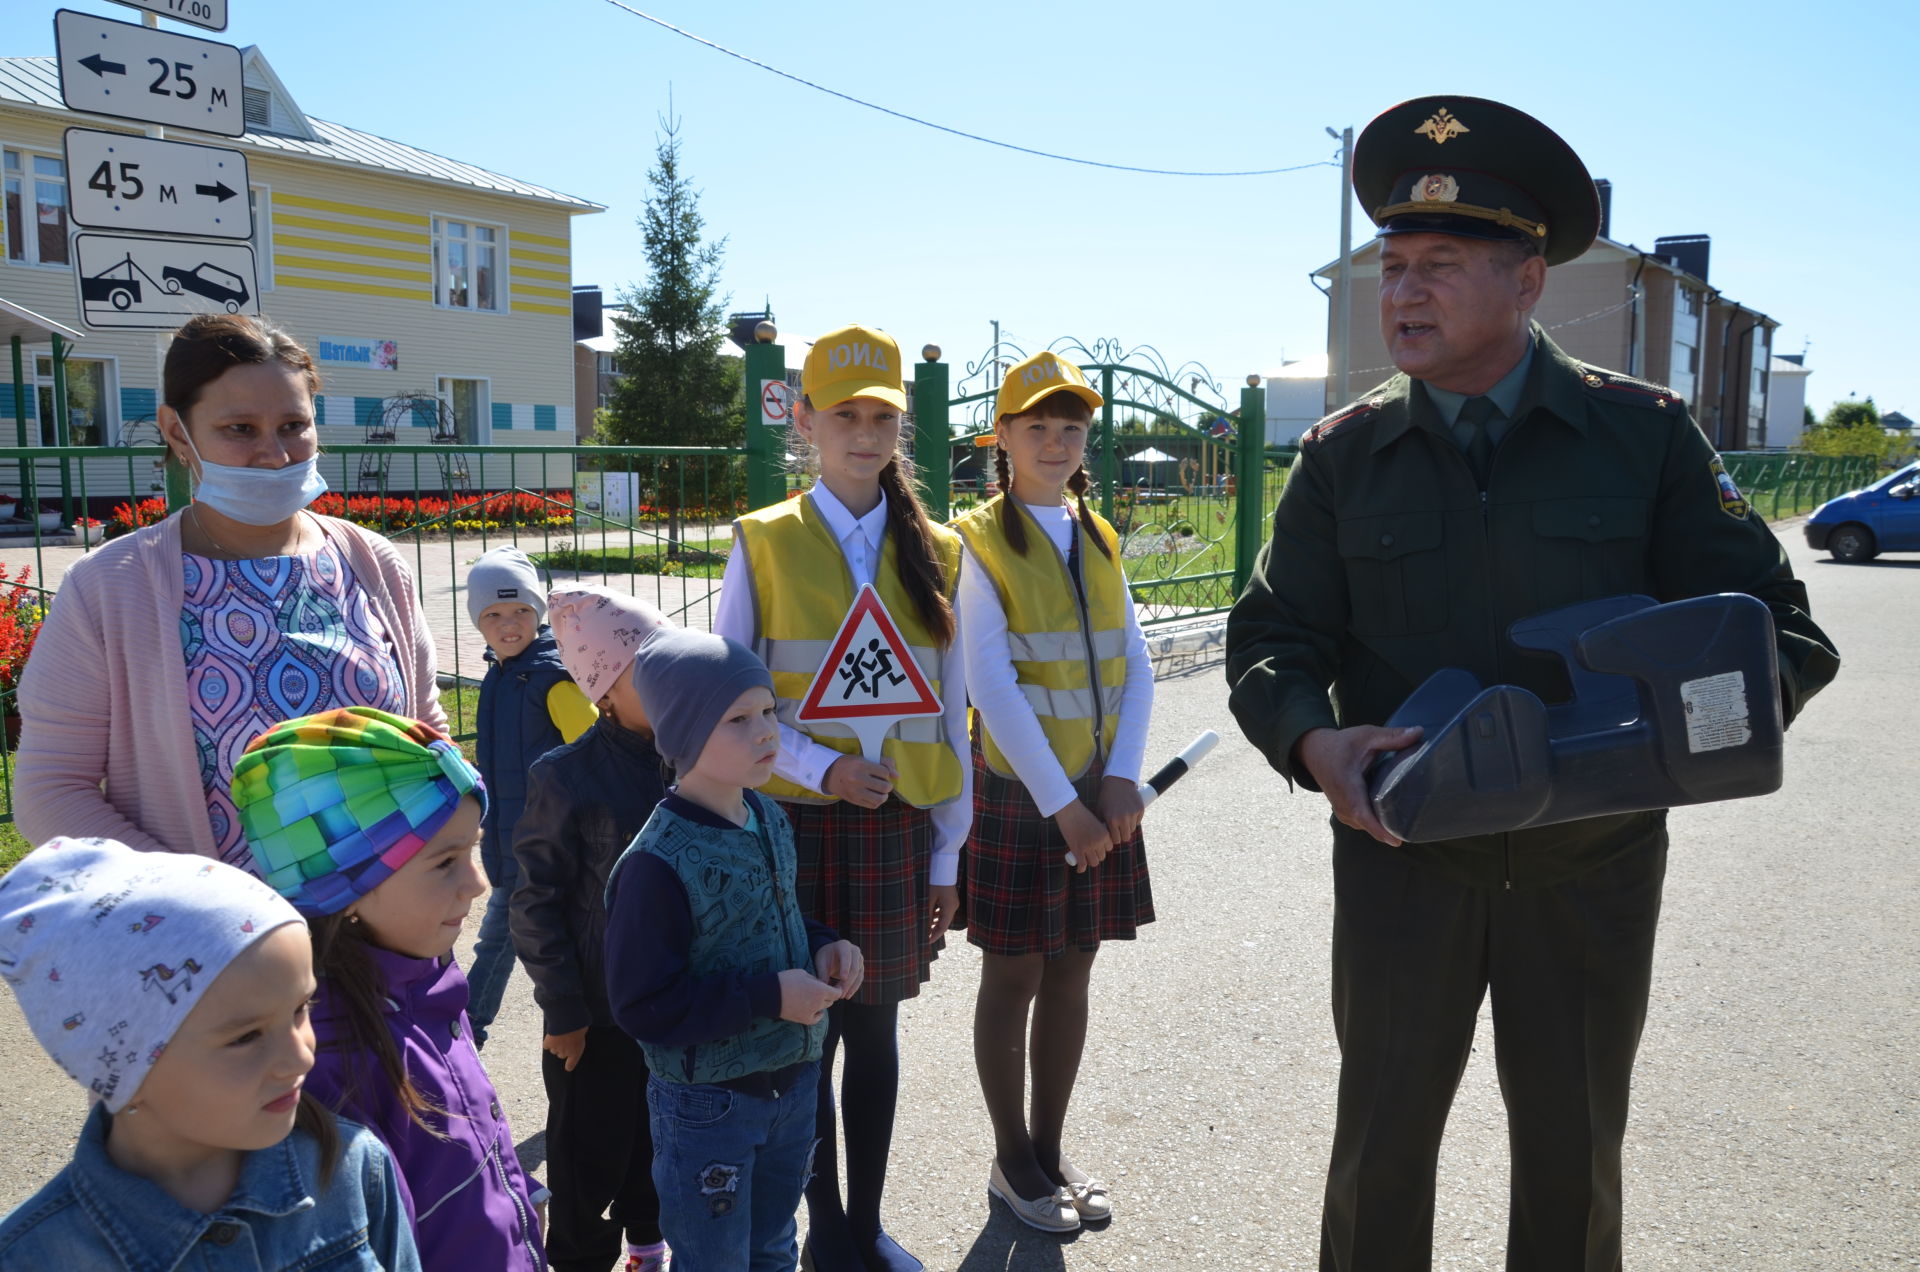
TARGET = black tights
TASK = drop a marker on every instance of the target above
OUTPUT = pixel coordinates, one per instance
(1028, 1148)
(872, 1071)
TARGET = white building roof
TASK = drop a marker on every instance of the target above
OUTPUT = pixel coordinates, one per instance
(34, 82)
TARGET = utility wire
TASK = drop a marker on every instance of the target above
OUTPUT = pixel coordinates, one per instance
(927, 123)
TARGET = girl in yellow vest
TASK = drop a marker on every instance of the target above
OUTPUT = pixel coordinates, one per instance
(1060, 679)
(878, 843)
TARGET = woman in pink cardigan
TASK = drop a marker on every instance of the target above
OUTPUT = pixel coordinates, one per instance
(169, 650)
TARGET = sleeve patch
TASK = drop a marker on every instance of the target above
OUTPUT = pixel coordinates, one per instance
(1732, 502)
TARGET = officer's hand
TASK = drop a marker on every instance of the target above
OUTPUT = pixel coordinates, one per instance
(860, 781)
(1338, 760)
(1086, 835)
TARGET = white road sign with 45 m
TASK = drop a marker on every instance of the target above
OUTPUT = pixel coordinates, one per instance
(119, 182)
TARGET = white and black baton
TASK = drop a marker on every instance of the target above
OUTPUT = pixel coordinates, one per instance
(1170, 772)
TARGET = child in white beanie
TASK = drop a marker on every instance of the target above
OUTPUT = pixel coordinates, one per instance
(175, 990)
(528, 706)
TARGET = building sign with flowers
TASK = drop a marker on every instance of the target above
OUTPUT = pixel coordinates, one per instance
(368, 355)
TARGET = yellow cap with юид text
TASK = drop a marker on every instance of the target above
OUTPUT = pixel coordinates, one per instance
(1030, 380)
(853, 362)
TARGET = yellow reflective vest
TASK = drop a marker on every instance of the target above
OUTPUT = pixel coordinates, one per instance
(1069, 656)
(802, 590)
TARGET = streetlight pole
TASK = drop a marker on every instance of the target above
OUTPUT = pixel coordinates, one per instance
(1343, 287)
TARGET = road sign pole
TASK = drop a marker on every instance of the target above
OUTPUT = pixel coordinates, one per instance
(20, 415)
(766, 447)
(60, 350)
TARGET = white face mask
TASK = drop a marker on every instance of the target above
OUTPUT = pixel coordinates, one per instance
(256, 496)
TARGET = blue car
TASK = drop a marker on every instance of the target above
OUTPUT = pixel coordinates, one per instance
(1860, 525)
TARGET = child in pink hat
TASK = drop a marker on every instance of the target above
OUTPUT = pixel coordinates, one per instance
(585, 802)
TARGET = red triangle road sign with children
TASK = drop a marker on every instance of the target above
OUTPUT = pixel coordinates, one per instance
(868, 679)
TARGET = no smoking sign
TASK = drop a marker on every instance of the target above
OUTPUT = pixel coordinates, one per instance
(776, 403)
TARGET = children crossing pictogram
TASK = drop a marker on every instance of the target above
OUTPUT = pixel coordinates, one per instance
(868, 680)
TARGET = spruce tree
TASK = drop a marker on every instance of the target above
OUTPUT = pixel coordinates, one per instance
(674, 386)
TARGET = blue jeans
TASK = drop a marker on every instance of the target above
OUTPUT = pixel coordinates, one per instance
(492, 958)
(730, 1169)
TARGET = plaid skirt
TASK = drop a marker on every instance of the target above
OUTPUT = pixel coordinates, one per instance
(1020, 895)
(863, 873)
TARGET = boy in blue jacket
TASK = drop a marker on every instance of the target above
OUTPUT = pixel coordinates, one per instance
(712, 968)
(528, 706)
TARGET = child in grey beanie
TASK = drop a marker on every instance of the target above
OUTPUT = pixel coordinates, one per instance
(505, 574)
(687, 680)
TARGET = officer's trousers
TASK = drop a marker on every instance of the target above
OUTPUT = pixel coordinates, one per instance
(1569, 968)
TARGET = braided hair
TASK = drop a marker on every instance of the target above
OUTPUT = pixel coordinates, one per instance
(1055, 406)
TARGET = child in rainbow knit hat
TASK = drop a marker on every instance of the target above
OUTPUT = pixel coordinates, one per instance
(367, 822)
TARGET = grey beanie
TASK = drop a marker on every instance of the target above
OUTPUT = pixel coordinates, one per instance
(687, 680)
(505, 574)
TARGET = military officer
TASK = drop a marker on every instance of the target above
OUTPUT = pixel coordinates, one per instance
(1494, 478)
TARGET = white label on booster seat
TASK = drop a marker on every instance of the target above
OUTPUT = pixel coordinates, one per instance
(1716, 708)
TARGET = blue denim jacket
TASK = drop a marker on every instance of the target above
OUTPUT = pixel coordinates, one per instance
(95, 1215)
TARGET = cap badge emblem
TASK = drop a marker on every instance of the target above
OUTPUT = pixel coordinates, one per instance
(1435, 187)
(1442, 127)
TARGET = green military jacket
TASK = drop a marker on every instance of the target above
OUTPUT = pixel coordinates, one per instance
(1388, 563)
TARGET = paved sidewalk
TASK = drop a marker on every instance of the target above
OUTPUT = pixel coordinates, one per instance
(1774, 1121)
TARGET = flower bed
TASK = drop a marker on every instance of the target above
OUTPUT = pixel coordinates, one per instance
(22, 609)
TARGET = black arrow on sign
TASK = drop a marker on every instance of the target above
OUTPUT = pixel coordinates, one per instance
(218, 190)
(100, 66)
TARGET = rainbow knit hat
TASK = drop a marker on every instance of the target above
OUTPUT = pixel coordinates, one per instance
(334, 803)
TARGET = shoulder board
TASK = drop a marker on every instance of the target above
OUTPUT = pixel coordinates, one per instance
(1614, 387)
(1364, 409)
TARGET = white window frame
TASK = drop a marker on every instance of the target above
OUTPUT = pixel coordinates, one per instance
(262, 196)
(483, 427)
(437, 226)
(112, 423)
(29, 207)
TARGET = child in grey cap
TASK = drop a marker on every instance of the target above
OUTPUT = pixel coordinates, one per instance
(712, 968)
(175, 989)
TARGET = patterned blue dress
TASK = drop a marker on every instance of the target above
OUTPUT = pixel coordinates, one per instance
(266, 641)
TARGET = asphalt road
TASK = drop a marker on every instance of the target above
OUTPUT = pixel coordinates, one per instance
(1777, 1094)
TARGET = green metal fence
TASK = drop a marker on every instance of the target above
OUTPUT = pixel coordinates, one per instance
(1786, 483)
(653, 521)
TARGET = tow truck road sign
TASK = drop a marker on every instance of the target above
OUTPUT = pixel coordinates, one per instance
(118, 182)
(158, 283)
(143, 73)
(211, 14)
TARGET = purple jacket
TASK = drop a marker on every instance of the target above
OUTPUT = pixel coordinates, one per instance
(466, 1194)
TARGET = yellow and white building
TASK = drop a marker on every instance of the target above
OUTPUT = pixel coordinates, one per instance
(401, 270)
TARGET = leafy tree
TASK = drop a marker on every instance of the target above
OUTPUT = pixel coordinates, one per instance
(675, 387)
(1851, 429)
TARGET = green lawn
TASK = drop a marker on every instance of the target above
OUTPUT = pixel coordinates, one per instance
(699, 559)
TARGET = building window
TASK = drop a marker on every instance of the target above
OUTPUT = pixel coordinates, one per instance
(257, 104)
(36, 194)
(90, 402)
(466, 264)
(1760, 357)
(258, 203)
(1683, 376)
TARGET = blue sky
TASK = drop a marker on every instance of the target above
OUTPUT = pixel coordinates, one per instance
(1786, 132)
